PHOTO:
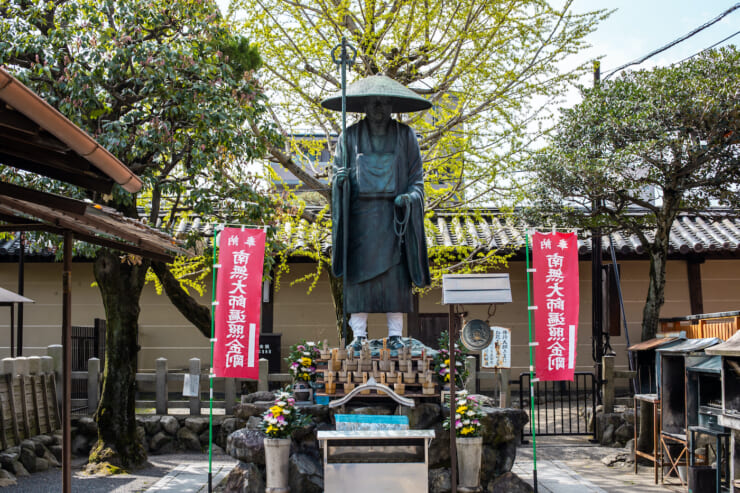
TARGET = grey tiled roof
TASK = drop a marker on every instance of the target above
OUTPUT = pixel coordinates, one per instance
(690, 234)
(494, 231)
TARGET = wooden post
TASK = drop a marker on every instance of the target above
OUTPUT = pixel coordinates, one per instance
(262, 383)
(608, 382)
(3, 435)
(67, 363)
(9, 372)
(195, 374)
(93, 387)
(34, 369)
(160, 385)
(471, 385)
(55, 352)
(229, 395)
(21, 365)
(47, 369)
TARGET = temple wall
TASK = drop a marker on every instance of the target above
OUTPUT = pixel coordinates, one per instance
(164, 332)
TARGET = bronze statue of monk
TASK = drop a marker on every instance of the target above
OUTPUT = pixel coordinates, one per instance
(387, 245)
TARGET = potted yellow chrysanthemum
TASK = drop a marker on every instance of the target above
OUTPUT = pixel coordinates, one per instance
(467, 418)
(278, 423)
(302, 365)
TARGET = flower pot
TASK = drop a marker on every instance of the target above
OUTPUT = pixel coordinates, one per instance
(469, 453)
(302, 391)
(277, 453)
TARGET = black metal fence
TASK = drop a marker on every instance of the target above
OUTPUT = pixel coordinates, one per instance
(87, 342)
(560, 408)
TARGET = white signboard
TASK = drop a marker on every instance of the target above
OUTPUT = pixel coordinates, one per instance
(190, 385)
(498, 353)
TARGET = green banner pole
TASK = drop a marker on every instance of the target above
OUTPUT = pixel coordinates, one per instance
(216, 230)
(532, 420)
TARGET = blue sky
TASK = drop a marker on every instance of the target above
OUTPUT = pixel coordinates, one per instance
(637, 27)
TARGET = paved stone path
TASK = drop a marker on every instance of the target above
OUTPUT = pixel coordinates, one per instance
(573, 465)
(193, 477)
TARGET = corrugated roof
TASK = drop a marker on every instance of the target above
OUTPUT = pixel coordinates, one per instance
(652, 343)
(731, 347)
(691, 345)
(709, 365)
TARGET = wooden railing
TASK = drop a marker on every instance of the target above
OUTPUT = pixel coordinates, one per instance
(722, 325)
(160, 380)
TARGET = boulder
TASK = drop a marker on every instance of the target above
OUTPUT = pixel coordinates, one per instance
(161, 443)
(141, 435)
(152, 424)
(318, 413)
(34, 445)
(19, 469)
(439, 448)
(620, 459)
(607, 436)
(245, 411)
(169, 425)
(439, 480)
(7, 458)
(197, 424)
(47, 440)
(6, 479)
(422, 416)
(87, 425)
(57, 451)
(28, 459)
(258, 396)
(624, 433)
(51, 459)
(502, 425)
(305, 474)
(489, 459)
(254, 423)
(506, 456)
(188, 439)
(228, 426)
(80, 445)
(41, 464)
(244, 478)
(372, 410)
(246, 446)
(508, 483)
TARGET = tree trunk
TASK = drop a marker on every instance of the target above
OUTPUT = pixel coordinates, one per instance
(650, 314)
(197, 314)
(656, 291)
(120, 283)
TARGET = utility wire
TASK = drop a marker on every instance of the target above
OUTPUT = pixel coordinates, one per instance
(676, 41)
(710, 47)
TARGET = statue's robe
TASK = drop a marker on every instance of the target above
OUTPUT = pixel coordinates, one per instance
(380, 265)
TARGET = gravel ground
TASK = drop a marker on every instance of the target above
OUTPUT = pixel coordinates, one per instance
(138, 481)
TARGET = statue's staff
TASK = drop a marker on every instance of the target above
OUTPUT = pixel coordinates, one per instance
(342, 61)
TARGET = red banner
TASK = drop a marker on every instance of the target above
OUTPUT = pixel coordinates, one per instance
(238, 299)
(556, 296)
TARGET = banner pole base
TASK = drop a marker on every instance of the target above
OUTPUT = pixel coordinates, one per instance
(210, 482)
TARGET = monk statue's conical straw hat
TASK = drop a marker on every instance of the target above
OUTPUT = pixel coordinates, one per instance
(403, 99)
